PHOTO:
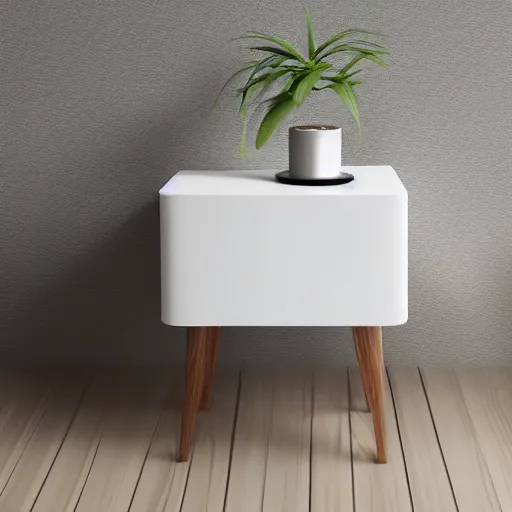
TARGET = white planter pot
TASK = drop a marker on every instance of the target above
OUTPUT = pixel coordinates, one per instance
(314, 151)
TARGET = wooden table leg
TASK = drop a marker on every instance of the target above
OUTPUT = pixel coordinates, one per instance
(368, 343)
(196, 357)
(212, 351)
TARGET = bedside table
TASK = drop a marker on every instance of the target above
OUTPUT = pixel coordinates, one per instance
(240, 249)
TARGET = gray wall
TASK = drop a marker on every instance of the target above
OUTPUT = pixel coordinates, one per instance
(103, 100)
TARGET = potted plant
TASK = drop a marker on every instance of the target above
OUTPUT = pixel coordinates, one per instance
(282, 79)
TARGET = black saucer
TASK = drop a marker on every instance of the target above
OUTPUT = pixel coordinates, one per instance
(342, 178)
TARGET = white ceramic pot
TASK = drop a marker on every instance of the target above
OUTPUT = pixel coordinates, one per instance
(314, 151)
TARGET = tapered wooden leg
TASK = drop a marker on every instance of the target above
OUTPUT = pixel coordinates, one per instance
(212, 351)
(367, 390)
(368, 343)
(194, 386)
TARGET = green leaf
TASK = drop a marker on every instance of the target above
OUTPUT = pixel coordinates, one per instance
(248, 92)
(305, 86)
(289, 83)
(265, 79)
(274, 50)
(231, 78)
(341, 78)
(311, 37)
(278, 62)
(292, 83)
(367, 43)
(375, 59)
(262, 64)
(274, 117)
(348, 97)
(297, 77)
(355, 60)
(280, 42)
(243, 138)
(282, 96)
(339, 36)
(352, 74)
(346, 48)
(321, 66)
(270, 62)
(295, 69)
(260, 83)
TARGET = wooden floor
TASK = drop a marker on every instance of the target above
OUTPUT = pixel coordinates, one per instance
(272, 443)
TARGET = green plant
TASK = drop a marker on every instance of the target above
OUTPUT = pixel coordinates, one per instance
(296, 76)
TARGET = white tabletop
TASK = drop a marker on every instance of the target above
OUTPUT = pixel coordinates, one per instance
(369, 180)
(239, 248)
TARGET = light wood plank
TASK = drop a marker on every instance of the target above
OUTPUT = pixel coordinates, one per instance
(21, 408)
(43, 443)
(270, 467)
(488, 396)
(162, 483)
(128, 430)
(69, 472)
(29, 475)
(358, 402)
(207, 480)
(250, 451)
(377, 487)
(469, 474)
(287, 475)
(331, 465)
(428, 479)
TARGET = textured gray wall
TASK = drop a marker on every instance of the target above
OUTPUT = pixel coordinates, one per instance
(103, 100)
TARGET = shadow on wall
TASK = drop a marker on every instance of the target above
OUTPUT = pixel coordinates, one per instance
(105, 310)
(100, 302)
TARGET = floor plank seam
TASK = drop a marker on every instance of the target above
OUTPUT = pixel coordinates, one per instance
(437, 437)
(56, 438)
(190, 462)
(477, 439)
(312, 410)
(386, 375)
(41, 403)
(68, 428)
(269, 437)
(349, 390)
(90, 467)
(155, 432)
(232, 442)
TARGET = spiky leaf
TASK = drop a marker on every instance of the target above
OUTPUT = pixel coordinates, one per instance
(243, 138)
(301, 76)
(274, 117)
(265, 79)
(374, 58)
(311, 37)
(263, 63)
(339, 36)
(231, 78)
(352, 49)
(289, 83)
(367, 43)
(273, 50)
(260, 83)
(357, 59)
(279, 42)
(352, 74)
(348, 97)
(305, 86)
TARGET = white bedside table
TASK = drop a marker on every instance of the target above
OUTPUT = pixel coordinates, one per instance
(240, 249)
